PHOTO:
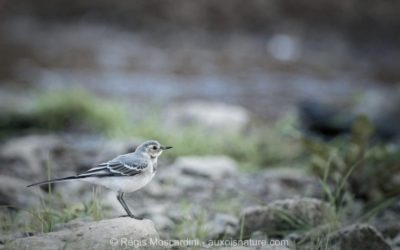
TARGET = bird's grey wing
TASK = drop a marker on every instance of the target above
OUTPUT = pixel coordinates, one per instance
(127, 166)
(123, 165)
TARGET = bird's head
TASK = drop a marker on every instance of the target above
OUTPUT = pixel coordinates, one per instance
(152, 148)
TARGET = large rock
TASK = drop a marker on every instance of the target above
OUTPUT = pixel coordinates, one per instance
(210, 116)
(15, 194)
(359, 236)
(284, 216)
(213, 167)
(120, 233)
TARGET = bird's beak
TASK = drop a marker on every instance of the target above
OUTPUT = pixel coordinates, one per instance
(165, 147)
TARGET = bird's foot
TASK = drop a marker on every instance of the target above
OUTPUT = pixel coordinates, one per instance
(131, 216)
(136, 217)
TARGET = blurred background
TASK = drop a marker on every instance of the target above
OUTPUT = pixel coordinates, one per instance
(269, 97)
(263, 55)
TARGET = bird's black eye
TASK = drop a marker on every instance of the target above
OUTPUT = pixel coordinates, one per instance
(155, 147)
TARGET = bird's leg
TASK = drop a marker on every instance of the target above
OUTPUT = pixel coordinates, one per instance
(120, 198)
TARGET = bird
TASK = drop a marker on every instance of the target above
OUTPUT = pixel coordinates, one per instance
(125, 173)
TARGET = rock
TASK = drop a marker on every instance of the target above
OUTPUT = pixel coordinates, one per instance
(284, 215)
(223, 226)
(283, 183)
(162, 222)
(323, 120)
(396, 242)
(387, 220)
(5, 238)
(177, 183)
(27, 156)
(359, 236)
(155, 190)
(14, 193)
(120, 233)
(328, 120)
(209, 116)
(72, 224)
(213, 167)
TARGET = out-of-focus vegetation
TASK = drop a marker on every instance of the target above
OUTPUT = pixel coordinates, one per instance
(78, 111)
(53, 211)
(356, 168)
(65, 111)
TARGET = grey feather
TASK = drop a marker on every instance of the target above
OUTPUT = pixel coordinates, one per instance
(123, 165)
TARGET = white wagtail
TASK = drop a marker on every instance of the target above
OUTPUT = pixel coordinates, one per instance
(125, 173)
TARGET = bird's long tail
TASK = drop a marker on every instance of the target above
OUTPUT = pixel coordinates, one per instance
(55, 180)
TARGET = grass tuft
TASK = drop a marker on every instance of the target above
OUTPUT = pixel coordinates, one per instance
(78, 110)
